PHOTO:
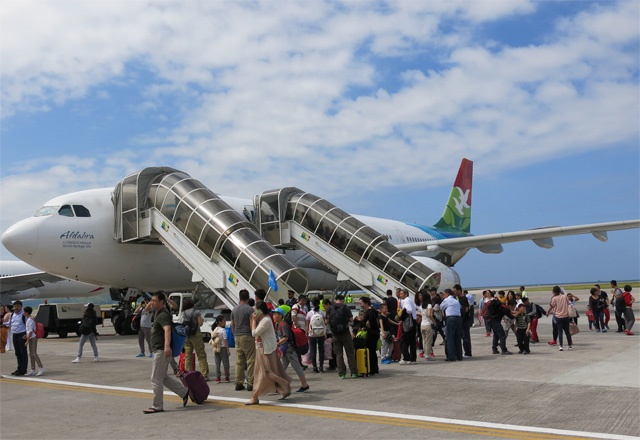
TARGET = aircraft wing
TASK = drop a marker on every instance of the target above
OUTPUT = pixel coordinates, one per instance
(543, 237)
(18, 283)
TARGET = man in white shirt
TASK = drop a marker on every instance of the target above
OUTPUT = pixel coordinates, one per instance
(19, 332)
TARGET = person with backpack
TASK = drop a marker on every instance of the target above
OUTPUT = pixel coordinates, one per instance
(339, 317)
(162, 354)
(192, 320)
(32, 343)
(290, 350)
(317, 331)
(18, 325)
(88, 332)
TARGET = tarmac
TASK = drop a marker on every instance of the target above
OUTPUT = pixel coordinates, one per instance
(592, 391)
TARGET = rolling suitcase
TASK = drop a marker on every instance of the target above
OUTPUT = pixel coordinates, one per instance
(198, 387)
(362, 361)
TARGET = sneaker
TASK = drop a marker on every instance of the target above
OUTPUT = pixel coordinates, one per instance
(150, 355)
(31, 373)
(494, 351)
(604, 330)
(466, 356)
(430, 359)
(218, 380)
(76, 361)
(341, 376)
(315, 370)
(249, 387)
(140, 355)
(302, 389)
(487, 334)
(552, 342)
(570, 347)
(421, 354)
(560, 348)
(597, 330)
(95, 359)
(226, 380)
(354, 375)
(404, 362)
(40, 372)
(506, 352)
(239, 387)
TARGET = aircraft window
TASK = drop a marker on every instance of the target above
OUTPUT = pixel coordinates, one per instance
(81, 211)
(46, 210)
(66, 211)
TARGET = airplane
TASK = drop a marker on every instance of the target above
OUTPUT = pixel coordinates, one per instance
(20, 281)
(72, 236)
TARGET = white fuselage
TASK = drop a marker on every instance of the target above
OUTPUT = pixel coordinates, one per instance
(84, 248)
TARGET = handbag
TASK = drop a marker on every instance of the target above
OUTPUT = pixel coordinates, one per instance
(573, 328)
(573, 313)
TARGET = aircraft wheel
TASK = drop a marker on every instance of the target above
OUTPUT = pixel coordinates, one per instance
(127, 326)
(118, 322)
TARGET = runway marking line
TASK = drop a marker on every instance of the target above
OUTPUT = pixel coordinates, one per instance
(345, 414)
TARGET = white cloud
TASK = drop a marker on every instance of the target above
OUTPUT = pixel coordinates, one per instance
(315, 94)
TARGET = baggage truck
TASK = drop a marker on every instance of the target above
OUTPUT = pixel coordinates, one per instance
(63, 318)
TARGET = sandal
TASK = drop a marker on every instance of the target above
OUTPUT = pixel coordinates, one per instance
(252, 402)
(152, 410)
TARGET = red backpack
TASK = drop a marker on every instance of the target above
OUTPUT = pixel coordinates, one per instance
(300, 340)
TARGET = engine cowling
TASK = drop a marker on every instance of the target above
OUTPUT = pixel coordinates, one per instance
(448, 276)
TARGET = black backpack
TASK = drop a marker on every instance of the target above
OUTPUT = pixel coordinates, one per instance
(339, 320)
(86, 325)
(190, 323)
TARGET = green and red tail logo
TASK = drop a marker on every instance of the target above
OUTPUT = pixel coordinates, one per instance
(457, 213)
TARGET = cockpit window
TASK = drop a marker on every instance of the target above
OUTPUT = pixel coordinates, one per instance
(81, 211)
(66, 211)
(46, 210)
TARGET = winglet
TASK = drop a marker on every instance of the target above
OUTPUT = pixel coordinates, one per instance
(457, 213)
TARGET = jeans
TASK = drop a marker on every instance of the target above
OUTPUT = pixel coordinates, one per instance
(499, 336)
(563, 325)
(599, 320)
(316, 349)
(222, 358)
(91, 337)
(21, 351)
(453, 330)
(144, 334)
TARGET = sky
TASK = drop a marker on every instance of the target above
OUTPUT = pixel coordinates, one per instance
(371, 105)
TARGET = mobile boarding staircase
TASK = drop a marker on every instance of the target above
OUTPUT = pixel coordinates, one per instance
(220, 247)
(289, 217)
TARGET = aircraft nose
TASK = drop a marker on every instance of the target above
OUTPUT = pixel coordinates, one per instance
(21, 239)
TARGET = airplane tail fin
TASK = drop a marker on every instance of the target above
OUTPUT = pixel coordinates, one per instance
(457, 213)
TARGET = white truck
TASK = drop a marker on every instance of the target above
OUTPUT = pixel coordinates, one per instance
(63, 318)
